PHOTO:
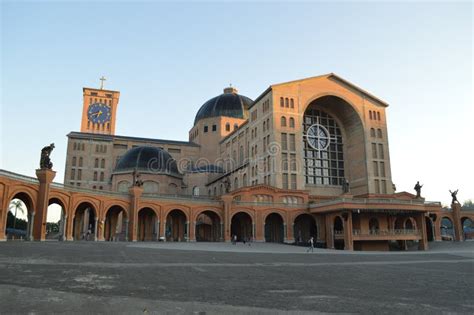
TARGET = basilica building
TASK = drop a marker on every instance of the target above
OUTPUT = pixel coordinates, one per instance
(305, 158)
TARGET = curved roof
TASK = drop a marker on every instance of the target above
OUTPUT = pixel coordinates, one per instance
(229, 104)
(148, 160)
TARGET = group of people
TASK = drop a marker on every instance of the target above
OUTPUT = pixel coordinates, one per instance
(245, 240)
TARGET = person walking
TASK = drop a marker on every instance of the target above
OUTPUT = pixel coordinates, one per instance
(311, 245)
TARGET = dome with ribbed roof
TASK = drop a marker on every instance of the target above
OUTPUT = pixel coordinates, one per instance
(147, 160)
(228, 104)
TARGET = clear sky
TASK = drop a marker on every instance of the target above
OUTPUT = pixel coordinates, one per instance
(167, 59)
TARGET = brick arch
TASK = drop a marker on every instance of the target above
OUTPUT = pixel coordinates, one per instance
(184, 209)
(154, 208)
(31, 193)
(85, 199)
(248, 211)
(94, 208)
(198, 211)
(280, 212)
(63, 200)
(335, 94)
(124, 205)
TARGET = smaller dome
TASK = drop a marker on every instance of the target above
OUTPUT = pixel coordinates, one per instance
(147, 160)
(228, 104)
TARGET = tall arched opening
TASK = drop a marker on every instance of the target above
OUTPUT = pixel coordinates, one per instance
(84, 224)
(338, 233)
(208, 227)
(116, 224)
(19, 223)
(447, 229)
(147, 225)
(176, 227)
(274, 228)
(467, 228)
(304, 228)
(241, 226)
(429, 229)
(55, 220)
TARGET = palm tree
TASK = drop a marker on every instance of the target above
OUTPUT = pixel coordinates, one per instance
(17, 205)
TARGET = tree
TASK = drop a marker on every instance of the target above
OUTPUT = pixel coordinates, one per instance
(17, 205)
(468, 203)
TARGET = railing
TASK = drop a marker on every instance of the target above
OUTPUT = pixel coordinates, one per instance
(386, 232)
(373, 201)
(267, 203)
(18, 176)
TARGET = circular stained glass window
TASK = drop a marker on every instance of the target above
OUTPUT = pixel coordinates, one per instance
(318, 137)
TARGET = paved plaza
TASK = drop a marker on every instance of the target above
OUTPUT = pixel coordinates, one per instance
(221, 278)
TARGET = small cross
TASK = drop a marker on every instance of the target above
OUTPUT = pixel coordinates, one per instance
(102, 82)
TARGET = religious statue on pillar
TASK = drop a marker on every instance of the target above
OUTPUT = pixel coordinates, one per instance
(418, 189)
(454, 196)
(136, 179)
(45, 161)
(345, 186)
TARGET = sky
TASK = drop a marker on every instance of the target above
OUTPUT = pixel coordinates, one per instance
(167, 59)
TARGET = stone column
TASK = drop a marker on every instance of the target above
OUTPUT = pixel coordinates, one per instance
(421, 224)
(30, 236)
(163, 230)
(227, 220)
(157, 230)
(329, 232)
(96, 229)
(45, 177)
(221, 236)
(63, 228)
(458, 230)
(126, 223)
(348, 242)
(135, 194)
(285, 233)
(188, 229)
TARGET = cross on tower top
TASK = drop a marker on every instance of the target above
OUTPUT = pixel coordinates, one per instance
(102, 79)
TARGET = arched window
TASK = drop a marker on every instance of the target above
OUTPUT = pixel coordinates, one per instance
(283, 121)
(268, 123)
(373, 225)
(379, 133)
(282, 102)
(102, 163)
(264, 125)
(378, 115)
(196, 189)
(236, 183)
(80, 162)
(323, 149)
(75, 146)
(287, 102)
(370, 114)
(123, 186)
(95, 176)
(236, 126)
(292, 103)
(151, 187)
(241, 154)
(292, 122)
(73, 161)
(244, 180)
(96, 163)
(215, 191)
(227, 127)
(372, 132)
(101, 176)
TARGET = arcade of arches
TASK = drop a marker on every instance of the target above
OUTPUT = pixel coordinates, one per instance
(360, 223)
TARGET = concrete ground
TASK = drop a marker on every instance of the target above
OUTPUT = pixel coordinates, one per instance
(221, 278)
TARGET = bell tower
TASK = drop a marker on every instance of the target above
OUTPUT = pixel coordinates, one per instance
(99, 110)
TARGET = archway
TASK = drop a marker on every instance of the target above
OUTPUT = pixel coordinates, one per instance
(338, 233)
(19, 221)
(116, 224)
(147, 225)
(274, 230)
(429, 229)
(467, 228)
(304, 228)
(241, 226)
(373, 226)
(55, 220)
(176, 227)
(84, 225)
(208, 227)
(447, 229)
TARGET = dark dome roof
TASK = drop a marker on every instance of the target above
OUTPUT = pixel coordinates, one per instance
(229, 104)
(148, 160)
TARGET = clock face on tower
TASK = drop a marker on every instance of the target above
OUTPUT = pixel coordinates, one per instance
(99, 113)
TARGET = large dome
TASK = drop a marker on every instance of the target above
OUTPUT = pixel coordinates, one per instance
(148, 160)
(229, 104)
